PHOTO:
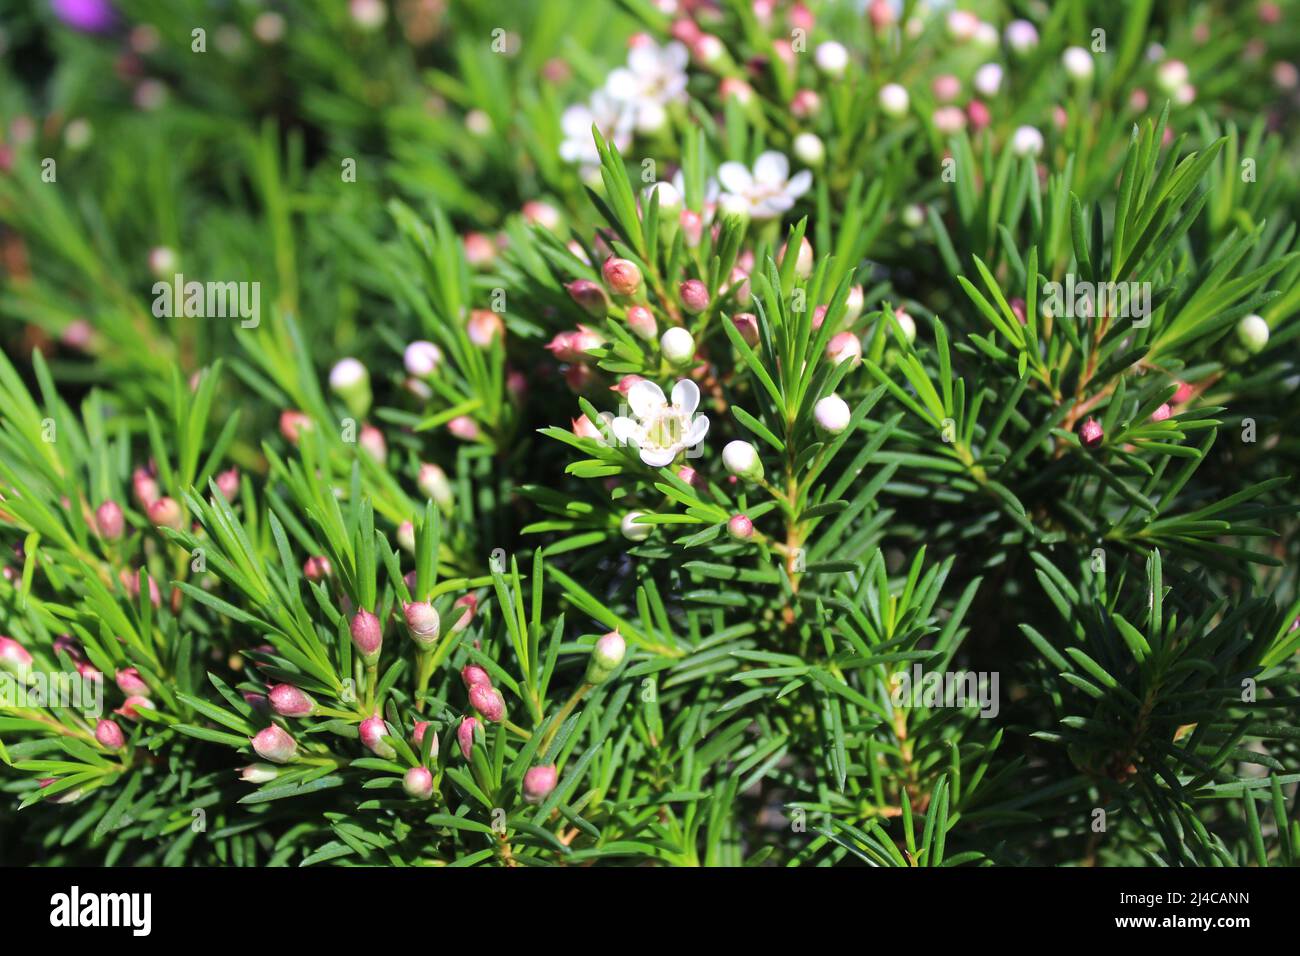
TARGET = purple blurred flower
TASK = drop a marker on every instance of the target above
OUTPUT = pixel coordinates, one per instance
(88, 16)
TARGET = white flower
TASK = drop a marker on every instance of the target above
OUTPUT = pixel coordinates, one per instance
(654, 77)
(832, 58)
(832, 414)
(988, 79)
(765, 193)
(894, 100)
(662, 431)
(1077, 62)
(1027, 141)
(613, 117)
(809, 149)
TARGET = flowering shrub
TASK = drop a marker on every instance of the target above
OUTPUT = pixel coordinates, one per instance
(805, 433)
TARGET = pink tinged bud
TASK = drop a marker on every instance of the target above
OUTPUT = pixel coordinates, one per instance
(110, 521)
(469, 604)
(707, 49)
(293, 425)
(144, 488)
(590, 297)
(642, 322)
(417, 736)
(805, 104)
(472, 674)
(367, 635)
(685, 30)
(1161, 413)
(130, 683)
(563, 347)
(479, 249)
(131, 583)
(14, 658)
(949, 119)
(819, 316)
(275, 744)
(422, 622)
(694, 296)
(542, 214)
(464, 428)
(406, 537)
(88, 671)
(259, 773)
(228, 483)
(109, 735)
(418, 783)
(583, 427)
(421, 359)
(979, 115)
(687, 474)
(373, 444)
(165, 513)
(844, 347)
(625, 384)
(746, 324)
(692, 227)
(539, 782)
(373, 730)
(317, 568)
(1183, 394)
(487, 700)
(484, 327)
(881, 13)
(465, 735)
(1091, 434)
(946, 88)
(803, 265)
(606, 655)
(739, 90)
(434, 485)
(622, 276)
(801, 18)
(289, 701)
(132, 706)
(740, 527)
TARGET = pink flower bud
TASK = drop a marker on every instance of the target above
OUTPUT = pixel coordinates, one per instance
(881, 13)
(479, 249)
(317, 568)
(465, 735)
(294, 424)
(165, 513)
(685, 30)
(406, 537)
(14, 658)
(422, 622)
(228, 483)
(110, 521)
(417, 736)
(694, 296)
(464, 428)
(692, 227)
(607, 653)
(275, 744)
(487, 700)
(979, 115)
(373, 444)
(539, 782)
(844, 347)
(131, 584)
(642, 322)
(687, 474)
(946, 88)
(625, 384)
(373, 730)
(805, 104)
(804, 261)
(144, 488)
(564, 349)
(418, 783)
(1091, 434)
(1183, 394)
(746, 324)
(622, 275)
(289, 701)
(590, 297)
(537, 213)
(132, 706)
(472, 674)
(367, 635)
(109, 735)
(470, 604)
(130, 683)
(258, 773)
(484, 327)
(740, 527)
(1161, 413)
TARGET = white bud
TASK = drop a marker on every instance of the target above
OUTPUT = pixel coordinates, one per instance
(1170, 75)
(1027, 141)
(1252, 332)
(1022, 36)
(740, 458)
(832, 414)
(631, 529)
(677, 345)
(809, 148)
(1078, 63)
(832, 58)
(669, 197)
(988, 79)
(421, 358)
(894, 100)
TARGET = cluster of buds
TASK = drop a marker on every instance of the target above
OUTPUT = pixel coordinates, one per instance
(572, 348)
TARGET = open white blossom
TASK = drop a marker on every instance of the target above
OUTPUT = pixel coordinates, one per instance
(654, 77)
(661, 431)
(766, 192)
(613, 117)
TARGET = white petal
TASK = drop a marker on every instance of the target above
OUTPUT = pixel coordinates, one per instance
(644, 397)
(686, 396)
(695, 434)
(626, 430)
(735, 178)
(676, 56)
(798, 184)
(658, 457)
(576, 122)
(643, 60)
(771, 168)
(622, 84)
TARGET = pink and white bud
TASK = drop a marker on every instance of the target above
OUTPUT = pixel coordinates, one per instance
(275, 744)
(692, 227)
(606, 655)
(589, 296)
(372, 731)
(945, 87)
(465, 735)
(803, 265)
(464, 428)
(962, 25)
(367, 635)
(162, 262)
(165, 513)
(350, 381)
(844, 347)
(406, 537)
(109, 735)
(373, 444)
(537, 213)
(1090, 434)
(1027, 141)
(259, 773)
(487, 700)
(479, 249)
(1170, 75)
(145, 488)
(539, 782)
(740, 458)
(132, 706)
(622, 275)
(472, 674)
(1161, 413)
(881, 14)
(831, 58)
(317, 568)
(832, 414)
(469, 605)
(805, 104)
(289, 701)
(418, 783)
(422, 622)
(740, 527)
(746, 324)
(694, 295)
(434, 485)
(949, 119)
(130, 682)
(1078, 63)
(988, 80)
(109, 520)
(14, 658)
(484, 327)
(642, 322)
(1021, 36)
(417, 736)
(421, 359)
(894, 100)
(294, 424)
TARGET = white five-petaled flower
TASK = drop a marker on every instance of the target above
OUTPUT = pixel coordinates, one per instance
(661, 431)
(767, 191)
(654, 77)
(612, 116)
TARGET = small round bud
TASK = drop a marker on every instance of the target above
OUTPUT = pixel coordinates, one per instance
(350, 381)
(275, 744)
(622, 275)
(844, 347)
(1021, 36)
(372, 731)
(165, 513)
(373, 444)
(317, 568)
(406, 537)
(1090, 434)
(110, 521)
(465, 735)
(472, 674)
(642, 322)
(539, 782)
(130, 682)
(434, 485)
(632, 529)
(484, 327)
(677, 345)
(803, 265)
(1027, 141)
(1161, 413)
(422, 622)
(606, 655)
(894, 100)
(988, 80)
(1078, 63)
(469, 604)
(109, 735)
(289, 701)
(421, 359)
(832, 414)
(809, 149)
(832, 58)
(418, 783)
(367, 635)
(227, 483)
(1170, 75)
(670, 200)
(746, 324)
(962, 25)
(293, 424)
(740, 458)
(907, 324)
(740, 527)
(259, 773)
(694, 295)
(1252, 332)
(590, 297)
(487, 700)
